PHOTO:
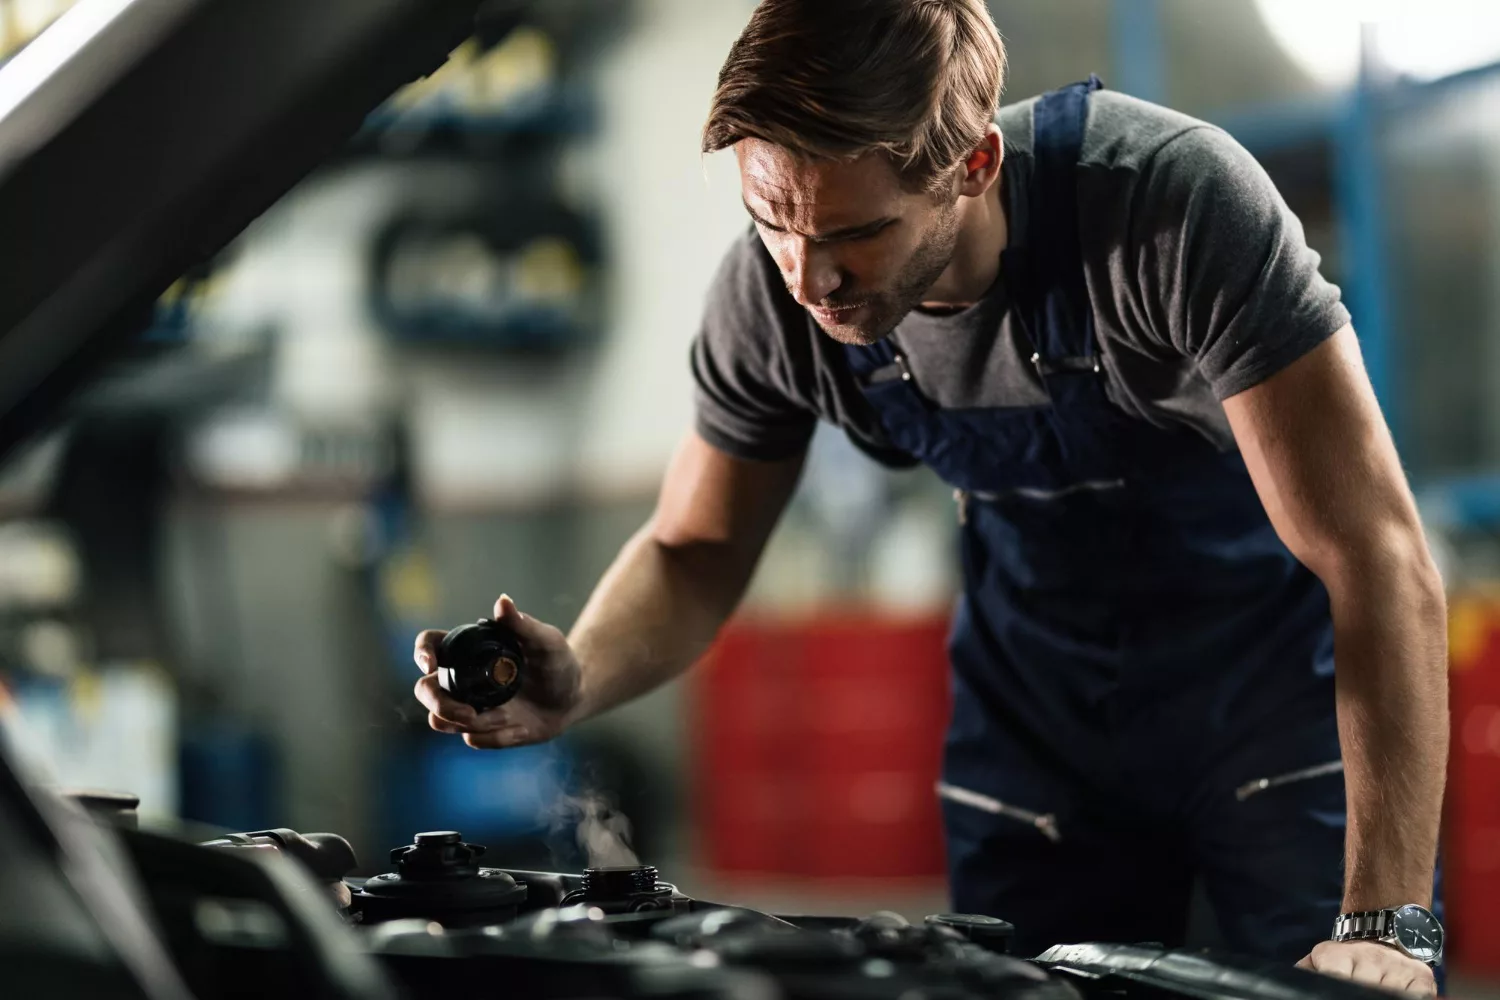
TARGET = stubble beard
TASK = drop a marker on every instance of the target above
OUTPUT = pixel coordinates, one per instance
(928, 262)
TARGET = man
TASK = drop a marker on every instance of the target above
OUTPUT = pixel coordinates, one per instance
(1100, 323)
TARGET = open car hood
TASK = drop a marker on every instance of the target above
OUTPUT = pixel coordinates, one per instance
(138, 137)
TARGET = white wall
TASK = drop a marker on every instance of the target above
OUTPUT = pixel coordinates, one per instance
(670, 213)
(496, 432)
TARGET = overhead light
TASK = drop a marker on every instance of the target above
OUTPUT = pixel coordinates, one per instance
(1423, 41)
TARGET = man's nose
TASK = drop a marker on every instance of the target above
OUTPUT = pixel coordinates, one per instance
(813, 275)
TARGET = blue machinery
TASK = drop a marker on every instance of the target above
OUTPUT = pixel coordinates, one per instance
(1349, 124)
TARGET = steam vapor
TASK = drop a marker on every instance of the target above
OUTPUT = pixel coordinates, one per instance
(601, 832)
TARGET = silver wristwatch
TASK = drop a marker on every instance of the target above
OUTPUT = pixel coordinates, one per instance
(1410, 929)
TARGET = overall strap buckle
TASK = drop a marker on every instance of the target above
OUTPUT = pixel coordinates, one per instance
(897, 369)
(1052, 366)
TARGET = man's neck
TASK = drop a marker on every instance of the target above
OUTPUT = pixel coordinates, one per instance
(982, 235)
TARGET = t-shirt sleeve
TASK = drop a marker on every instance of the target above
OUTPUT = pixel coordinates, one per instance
(747, 403)
(1236, 286)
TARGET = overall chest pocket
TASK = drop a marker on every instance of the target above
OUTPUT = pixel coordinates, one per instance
(994, 450)
(1076, 543)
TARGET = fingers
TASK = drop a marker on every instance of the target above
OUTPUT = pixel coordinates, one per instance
(499, 739)
(441, 725)
(1418, 984)
(454, 714)
(495, 739)
(1372, 964)
(437, 702)
(1366, 972)
(1423, 984)
(1334, 961)
(1390, 970)
(424, 652)
(1363, 969)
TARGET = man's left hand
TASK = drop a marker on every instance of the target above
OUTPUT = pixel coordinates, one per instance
(1372, 964)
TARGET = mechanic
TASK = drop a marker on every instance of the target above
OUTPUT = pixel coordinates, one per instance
(1097, 320)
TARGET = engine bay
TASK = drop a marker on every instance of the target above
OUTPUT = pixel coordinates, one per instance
(276, 913)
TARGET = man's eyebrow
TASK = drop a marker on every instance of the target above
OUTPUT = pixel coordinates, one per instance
(863, 229)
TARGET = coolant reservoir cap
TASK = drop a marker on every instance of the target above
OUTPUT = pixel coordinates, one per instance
(438, 838)
(482, 665)
(439, 868)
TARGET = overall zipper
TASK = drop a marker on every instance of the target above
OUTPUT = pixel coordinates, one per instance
(1259, 785)
(1045, 823)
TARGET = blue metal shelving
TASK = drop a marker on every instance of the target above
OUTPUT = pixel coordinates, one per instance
(1136, 49)
(1349, 124)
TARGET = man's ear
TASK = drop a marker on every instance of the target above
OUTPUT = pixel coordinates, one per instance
(982, 169)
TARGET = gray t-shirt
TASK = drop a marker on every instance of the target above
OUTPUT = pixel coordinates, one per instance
(1201, 281)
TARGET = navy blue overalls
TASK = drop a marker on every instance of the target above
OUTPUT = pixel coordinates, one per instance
(1142, 672)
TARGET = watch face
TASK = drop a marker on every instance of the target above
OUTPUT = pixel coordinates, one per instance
(1419, 933)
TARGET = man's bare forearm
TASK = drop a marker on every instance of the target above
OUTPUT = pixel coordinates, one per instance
(655, 612)
(659, 605)
(1326, 468)
(1390, 642)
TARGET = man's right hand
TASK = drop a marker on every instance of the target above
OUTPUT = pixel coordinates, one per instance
(654, 612)
(550, 694)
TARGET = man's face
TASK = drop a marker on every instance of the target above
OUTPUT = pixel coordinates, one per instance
(854, 248)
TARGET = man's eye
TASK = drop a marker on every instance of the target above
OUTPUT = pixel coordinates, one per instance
(851, 238)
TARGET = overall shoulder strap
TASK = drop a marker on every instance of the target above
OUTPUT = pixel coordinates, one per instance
(866, 360)
(1050, 287)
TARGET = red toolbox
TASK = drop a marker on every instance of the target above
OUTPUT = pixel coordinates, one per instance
(1471, 858)
(817, 745)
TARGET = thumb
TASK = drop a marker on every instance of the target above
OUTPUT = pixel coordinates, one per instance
(523, 625)
(506, 610)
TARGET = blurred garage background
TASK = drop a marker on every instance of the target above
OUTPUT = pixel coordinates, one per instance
(454, 363)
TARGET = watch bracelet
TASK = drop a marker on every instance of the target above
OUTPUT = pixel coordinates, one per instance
(1362, 925)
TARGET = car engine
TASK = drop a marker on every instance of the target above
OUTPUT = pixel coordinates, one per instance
(90, 905)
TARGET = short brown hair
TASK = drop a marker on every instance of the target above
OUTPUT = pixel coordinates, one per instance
(917, 79)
